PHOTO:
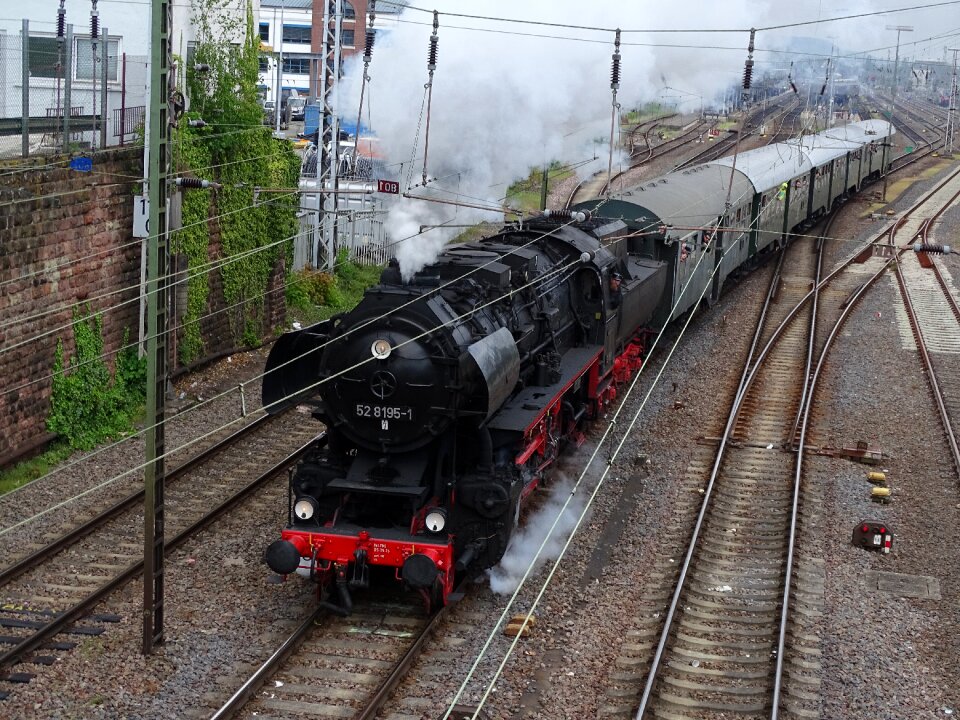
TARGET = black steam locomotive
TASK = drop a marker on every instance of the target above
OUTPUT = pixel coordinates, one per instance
(448, 398)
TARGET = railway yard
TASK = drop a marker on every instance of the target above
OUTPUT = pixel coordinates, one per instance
(711, 576)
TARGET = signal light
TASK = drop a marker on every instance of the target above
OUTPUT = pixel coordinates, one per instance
(873, 536)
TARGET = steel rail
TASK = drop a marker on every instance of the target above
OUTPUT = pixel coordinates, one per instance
(404, 664)
(63, 542)
(242, 696)
(711, 482)
(921, 341)
(275, 662)
(63, 619)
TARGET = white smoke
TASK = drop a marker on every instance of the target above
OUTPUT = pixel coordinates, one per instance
(505, 577)
(511, 97)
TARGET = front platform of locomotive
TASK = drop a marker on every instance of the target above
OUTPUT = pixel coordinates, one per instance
(374, 493)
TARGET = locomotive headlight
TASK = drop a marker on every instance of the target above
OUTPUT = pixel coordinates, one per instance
(436, 520)
(305, 508)
(381, 349)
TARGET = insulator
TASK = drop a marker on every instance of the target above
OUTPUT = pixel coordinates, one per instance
(368, 48)
(794, 88)
(61, 21)
(432, 55)
(823, 88)
(196, 123)
(94, 25)
(935, 248)
(615, 71)
(196, 183)
(572, 215)
(747, 74)
(201, 67)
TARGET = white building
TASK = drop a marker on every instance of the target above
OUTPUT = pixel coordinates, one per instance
(128, 49)
(285, 30)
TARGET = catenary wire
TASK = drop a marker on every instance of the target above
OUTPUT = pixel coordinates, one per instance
(276, 198)
(608, 433)
(569, 26)
(212, 265)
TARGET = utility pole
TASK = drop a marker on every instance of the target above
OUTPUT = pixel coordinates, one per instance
(157, 266)
(276, 109)
(893, 98)
(830, 88)
(329, 133)
(951, 108)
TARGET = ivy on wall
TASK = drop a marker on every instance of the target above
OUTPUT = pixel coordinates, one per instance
(88, 404)
(237, 151)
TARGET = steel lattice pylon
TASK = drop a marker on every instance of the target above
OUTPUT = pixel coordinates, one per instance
(329, 132)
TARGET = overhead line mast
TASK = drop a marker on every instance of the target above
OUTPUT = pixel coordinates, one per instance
(614, 86)
(157, 266)
(431, 67)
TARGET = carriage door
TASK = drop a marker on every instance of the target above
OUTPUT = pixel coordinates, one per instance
(716, 247)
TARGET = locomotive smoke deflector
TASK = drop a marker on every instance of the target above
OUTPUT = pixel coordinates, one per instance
(497, 359)
(292, 372)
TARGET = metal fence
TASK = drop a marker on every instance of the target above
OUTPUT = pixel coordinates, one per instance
(67, 94)
(362, 232)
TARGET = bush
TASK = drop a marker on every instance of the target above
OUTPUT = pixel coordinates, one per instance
(87, 405)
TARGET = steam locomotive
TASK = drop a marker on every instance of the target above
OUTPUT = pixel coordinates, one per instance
(448, 398)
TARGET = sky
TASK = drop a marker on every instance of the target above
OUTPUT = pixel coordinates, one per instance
(508, 97)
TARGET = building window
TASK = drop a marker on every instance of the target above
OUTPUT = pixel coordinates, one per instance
(296, 66)
(265, 32)
(348, 12)
(44, 56)
(346, 38)
(264, 63)
(296, 34)
(84, 60)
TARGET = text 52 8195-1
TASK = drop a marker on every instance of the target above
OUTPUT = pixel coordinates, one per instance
(385, 412)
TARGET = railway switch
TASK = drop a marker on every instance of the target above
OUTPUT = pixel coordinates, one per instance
(873, 536)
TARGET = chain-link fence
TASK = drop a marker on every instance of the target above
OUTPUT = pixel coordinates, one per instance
(68, 93)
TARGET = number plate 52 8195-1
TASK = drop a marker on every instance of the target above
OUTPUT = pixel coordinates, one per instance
(384, 412)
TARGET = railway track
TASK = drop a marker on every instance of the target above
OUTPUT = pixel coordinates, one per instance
(336, 667)
(53, 591)
(751, 123)
(598, 185)
(733, 629)
(934, 317)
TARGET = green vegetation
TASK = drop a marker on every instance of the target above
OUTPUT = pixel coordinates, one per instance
(525, 194)
(89, 405)
(647, 111)
(236, 150)
(24, 472)
(478, 232)
(313, 295)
